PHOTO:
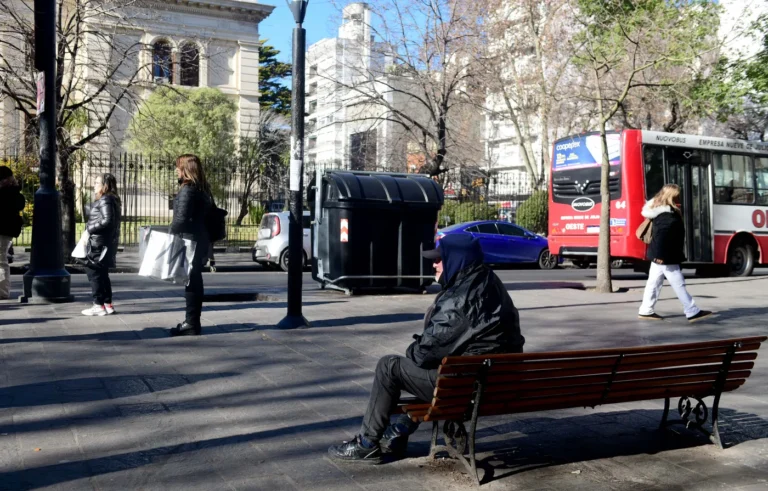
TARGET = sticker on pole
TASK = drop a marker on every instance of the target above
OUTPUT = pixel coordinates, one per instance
(344, 230)
(295, 174)
(40, 92)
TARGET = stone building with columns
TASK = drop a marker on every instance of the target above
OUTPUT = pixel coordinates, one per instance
(201, 43)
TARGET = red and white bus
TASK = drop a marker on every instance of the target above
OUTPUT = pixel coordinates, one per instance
(724, 201)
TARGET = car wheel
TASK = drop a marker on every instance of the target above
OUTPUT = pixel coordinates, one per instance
(284, 261)
(253, 255)
(741, 260)
(547, 260)
(581, 264)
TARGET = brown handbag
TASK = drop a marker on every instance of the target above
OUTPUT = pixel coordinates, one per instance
(645, 231)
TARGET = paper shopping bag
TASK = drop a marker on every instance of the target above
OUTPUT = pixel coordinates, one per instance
(81, 249)
(168, 258)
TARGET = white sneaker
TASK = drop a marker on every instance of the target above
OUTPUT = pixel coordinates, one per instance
(109, 308)
(97, 310)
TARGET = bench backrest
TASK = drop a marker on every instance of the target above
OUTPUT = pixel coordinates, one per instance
(525, 382)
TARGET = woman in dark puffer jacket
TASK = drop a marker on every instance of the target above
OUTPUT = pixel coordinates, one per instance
(104, 227)
(191, 206)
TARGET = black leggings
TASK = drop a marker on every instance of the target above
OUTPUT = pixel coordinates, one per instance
(194, 292)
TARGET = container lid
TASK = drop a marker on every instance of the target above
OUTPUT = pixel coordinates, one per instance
(379, 188)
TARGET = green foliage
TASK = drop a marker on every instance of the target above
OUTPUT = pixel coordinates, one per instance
(256, 213)
(174, 121)
(272, 93)
(533, 213)
(454, 212)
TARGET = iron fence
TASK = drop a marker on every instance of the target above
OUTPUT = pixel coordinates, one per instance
(147, 186)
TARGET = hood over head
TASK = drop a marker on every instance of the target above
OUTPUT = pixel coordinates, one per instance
(459, 252)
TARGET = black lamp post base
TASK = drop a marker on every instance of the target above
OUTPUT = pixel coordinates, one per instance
(47, 287)
(293, 322)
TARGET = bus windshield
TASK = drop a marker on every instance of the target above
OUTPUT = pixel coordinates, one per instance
(576, 167)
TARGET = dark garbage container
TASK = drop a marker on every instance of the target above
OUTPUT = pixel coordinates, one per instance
(370, 228)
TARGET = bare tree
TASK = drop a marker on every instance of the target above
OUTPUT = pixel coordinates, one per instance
(263, 144)
(620, 42)
(528, 69)
(98, 68)
(419, 76)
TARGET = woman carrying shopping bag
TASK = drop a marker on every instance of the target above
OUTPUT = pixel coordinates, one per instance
(104, 229)
(190, 209)
(666, 253)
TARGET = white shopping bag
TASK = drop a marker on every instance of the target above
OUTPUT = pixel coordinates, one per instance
(81, 249)
(168, 258)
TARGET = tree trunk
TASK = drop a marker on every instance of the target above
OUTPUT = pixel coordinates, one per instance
(66, 207)
(243, 207)
(604, 281)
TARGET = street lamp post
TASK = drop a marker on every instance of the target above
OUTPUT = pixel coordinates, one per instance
(46, 280)
(294, 318)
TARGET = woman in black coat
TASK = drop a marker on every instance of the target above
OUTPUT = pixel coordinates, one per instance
(666, 252)
(104, 229)
(191, 206)
(11, 203)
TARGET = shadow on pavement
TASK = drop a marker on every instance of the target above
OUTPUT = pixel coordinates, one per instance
(369, 319)
(512, 448)
(51, 475)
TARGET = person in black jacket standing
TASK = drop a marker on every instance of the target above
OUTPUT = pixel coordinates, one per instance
(11, 203)
(191, 207)
(473, 315)
(104, 229)
(666, 253)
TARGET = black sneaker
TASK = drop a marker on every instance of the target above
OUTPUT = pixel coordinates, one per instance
(354, 451)
(703, 314)
(650, 317)
(393, 442)
(185, 329)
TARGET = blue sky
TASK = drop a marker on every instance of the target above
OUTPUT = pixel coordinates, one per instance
(277, 29)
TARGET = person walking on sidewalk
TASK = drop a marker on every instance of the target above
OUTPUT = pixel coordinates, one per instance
(473, 315)
(11, 203)
(666, 253)
(104, 228)
(190, 209)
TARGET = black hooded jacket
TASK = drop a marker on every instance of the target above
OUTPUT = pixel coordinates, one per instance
(473, 315)
(667, 234)
(11, 203)
(190, 207)
(104, 227)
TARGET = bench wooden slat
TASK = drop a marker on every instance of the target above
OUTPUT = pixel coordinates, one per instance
(559, 402)
(445, 398)
(644, 372)
(627, 364)
(491, 391)
(660, 348)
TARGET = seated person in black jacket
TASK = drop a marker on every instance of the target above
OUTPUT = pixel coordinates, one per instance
(473, 315)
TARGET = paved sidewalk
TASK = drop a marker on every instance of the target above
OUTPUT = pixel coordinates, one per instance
(113, 404)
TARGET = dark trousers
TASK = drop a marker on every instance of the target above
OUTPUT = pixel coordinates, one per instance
(101, 286)
(194, 292)
(393, 375)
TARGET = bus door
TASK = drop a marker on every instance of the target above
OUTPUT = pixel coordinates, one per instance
(689, 168)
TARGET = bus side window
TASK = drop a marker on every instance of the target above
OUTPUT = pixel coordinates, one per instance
(653, 160)
(761, 175)
(734, 179)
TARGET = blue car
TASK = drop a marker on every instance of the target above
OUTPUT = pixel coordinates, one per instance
(506, 243)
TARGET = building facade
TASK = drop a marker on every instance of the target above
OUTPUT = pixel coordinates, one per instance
(205, 43)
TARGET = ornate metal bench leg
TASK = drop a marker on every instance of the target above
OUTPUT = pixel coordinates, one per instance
(433, 444)
(665, 415)
(472, 430)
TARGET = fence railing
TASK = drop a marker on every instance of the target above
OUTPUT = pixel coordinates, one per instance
(147, 186)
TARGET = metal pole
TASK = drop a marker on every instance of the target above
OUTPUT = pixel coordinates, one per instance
(46, 280)
(294, 318)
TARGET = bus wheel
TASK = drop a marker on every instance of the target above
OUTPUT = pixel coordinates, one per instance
(581, 263)
(741, 260)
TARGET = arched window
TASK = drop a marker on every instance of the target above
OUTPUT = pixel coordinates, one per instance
(162, 62)
(190, 65)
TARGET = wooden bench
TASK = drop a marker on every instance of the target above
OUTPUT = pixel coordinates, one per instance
(472, 386)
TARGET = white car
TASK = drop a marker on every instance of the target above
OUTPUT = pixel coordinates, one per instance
(271, 249)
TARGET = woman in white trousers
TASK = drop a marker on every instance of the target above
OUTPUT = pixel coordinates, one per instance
(666, 252)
